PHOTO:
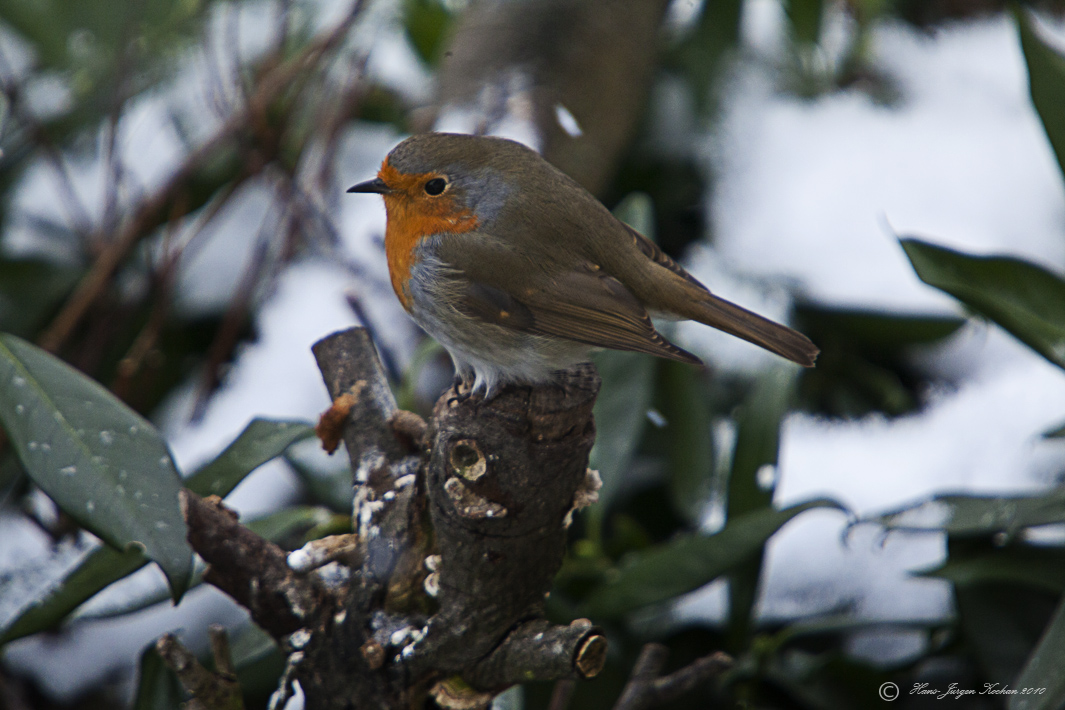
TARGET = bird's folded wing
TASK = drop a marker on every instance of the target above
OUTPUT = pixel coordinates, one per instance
(584, 305)
(652, 252)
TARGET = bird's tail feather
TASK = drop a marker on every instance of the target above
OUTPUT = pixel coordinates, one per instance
(726, 316)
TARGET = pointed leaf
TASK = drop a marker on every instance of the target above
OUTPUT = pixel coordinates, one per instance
(250, 644)
(1046, 81)
(328, 485)
(1055, 432)
(620, 415)
(1023, 298)
(101, 462)
(426, 23)
(805, 19)
(29, 289)
(752, 482)
(261, 441)
(1029, 565)
(687, 562)
(758, 441)
(158, 687)
(100, 568)
(1043, 669)
(977, 515)
(684, 403)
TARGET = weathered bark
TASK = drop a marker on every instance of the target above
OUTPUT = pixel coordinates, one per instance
(460, 528)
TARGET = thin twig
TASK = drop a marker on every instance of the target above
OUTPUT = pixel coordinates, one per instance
(210, 691)
(648, 665)
(119, 95)
(77, 213)
(228, 334)
(646, 689)
(388, 358)
(346, 106)
(145, 341)
(140, 224)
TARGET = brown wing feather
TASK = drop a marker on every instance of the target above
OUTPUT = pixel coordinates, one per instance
(652, 252)
(585, 306)
(718, 313)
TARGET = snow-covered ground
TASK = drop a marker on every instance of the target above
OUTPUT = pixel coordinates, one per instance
(808, 191)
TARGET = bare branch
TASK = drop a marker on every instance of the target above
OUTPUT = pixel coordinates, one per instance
(248, 568)
(210, 691)
(148, 214)
(646, 689)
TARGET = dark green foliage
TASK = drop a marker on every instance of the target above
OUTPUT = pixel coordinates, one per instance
(1046, 78)
(865, 363)
(158, 687)
(1025, 299)
(426, 23)
(102, 463)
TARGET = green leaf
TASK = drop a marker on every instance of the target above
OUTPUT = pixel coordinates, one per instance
(1043, 669)
(100, 568)
(261, 441)
(258, 660)
(29, 289)
(876, 329)
(1055, 432)
(866, 363)
(279, 525)
(1028, 565)
(758, 441)
(326, 482)
(700, 57)
(620, 415)
(158, 688)
(688, 562)
(752, 482)
(250, 644)
(101, 462)
(1046, 81)
(1023, 298)
(684, 402)
(977, 515)
(1000, 624)
(426, 24)
(637, 210)
(805, 18)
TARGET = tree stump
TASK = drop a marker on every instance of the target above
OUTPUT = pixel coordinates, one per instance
(460, 527)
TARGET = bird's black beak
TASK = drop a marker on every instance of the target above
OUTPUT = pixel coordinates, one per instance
(376, 185)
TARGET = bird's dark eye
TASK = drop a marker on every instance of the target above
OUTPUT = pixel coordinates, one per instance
(435, 186)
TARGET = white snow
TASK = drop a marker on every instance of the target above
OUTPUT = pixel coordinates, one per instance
(813, 189)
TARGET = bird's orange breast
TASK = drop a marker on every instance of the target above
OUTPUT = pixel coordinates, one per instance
(412, 216)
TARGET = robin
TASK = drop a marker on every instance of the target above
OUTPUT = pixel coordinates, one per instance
(519, 271)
